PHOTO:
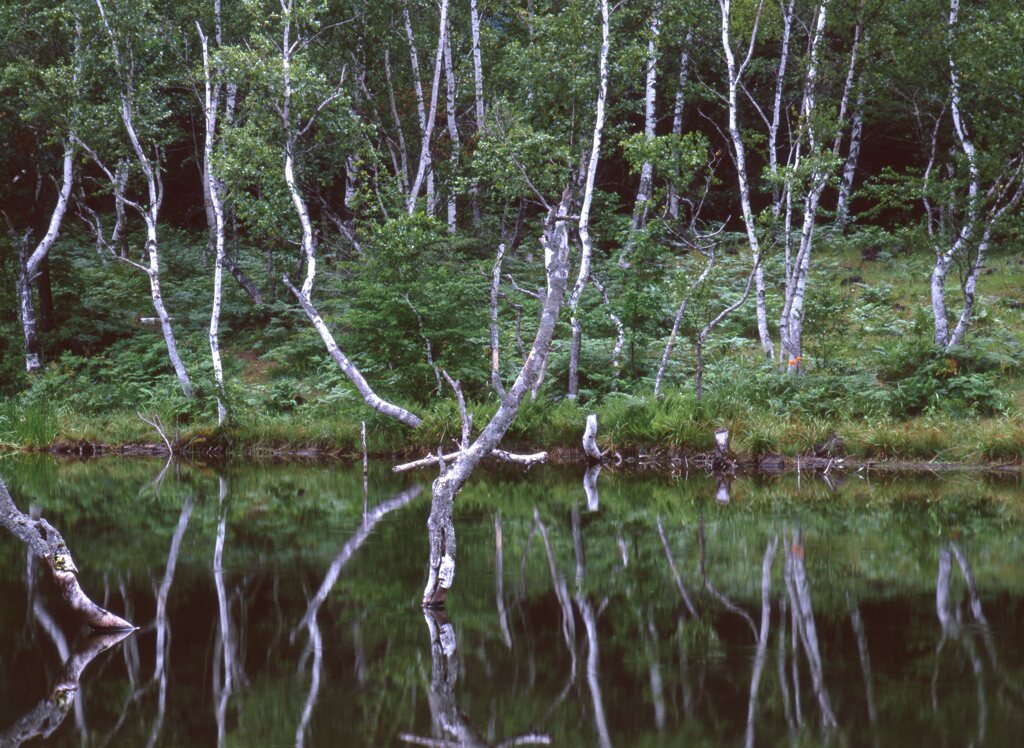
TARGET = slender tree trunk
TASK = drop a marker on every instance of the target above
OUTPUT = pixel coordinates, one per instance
(792, 319)
(735, 76)
(677, 116)
(150, 211)
(424, 169)
(211, 104)
(773, 126)
(453, 133)
(31, 263)
(586, 245)
(645, 190)
(850, 166)
(478, 96)
(403, 152)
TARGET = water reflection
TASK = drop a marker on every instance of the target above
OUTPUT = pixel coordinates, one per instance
(656, 615)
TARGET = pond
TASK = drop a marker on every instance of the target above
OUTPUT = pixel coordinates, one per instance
(279, 605)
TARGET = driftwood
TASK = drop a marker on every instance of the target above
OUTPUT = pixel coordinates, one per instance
(46, 542)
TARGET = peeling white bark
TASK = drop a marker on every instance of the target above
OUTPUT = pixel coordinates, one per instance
(791, 322)
(453, 133)
(735, 77)
(427, 122)
(677, 115)
(586, 245)
(150, 211)
(211, 104)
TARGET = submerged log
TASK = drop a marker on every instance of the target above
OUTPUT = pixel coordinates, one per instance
(46, 542)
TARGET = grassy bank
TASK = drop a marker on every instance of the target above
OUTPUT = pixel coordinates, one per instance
(628, 424)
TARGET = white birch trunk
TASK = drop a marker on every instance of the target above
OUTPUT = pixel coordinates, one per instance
(646, 187)
(773, 127)
(303, 294)
(735, 75)
(29, 267)
(586, 245)
(150, 212)
(478, 94)
(211, 103)
(403, 152)
(441, 529)
(792, 319)
(453, 133)
(677, 116)
(850, 166)
(427, 123)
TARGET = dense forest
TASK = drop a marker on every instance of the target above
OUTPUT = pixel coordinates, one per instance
(274, 219)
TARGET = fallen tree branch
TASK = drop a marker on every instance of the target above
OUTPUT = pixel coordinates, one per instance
(500, 454)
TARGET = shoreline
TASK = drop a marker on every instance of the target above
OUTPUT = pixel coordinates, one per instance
(651, 458)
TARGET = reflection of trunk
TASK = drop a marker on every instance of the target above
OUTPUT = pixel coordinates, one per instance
(451, 726)
(163, 628)
(857, 623)
(354, 543)
(593, 654)
(590, 486)
(223, 687)
(675, 571)
(762, 639)
(499, 581)
(800, 599)
(46, 542)
(317, 645)
(48, 715)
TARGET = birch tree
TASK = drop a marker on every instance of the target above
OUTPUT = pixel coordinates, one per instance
(586, 244)
(126, 60)
(44, 86)
(734, 80)
(293, 41)
(211, 105)
(985, 205)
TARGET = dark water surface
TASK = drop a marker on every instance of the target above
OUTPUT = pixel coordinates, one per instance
(276, 610)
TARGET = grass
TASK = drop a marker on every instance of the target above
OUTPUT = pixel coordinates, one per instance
(626, 424)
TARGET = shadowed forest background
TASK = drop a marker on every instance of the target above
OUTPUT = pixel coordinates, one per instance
(826, 172)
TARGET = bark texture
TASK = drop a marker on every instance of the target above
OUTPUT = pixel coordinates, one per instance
(46, 542)
(441, 529)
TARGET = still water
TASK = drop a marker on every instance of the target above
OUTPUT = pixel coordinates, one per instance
(278, 605)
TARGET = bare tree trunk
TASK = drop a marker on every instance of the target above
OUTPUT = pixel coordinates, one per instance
(441, 529)
(677, 115)
(303, 294)
(667, 353)
(645, 189)
(850, 166)
(453, 133)
(791, 322)
(478, 94)
(212, 186)
(403, 152)
(1004, 196)
(31, 262)
(586, 245)
(773, 126)
(150, 212)
(735, 76)
(427, 123)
